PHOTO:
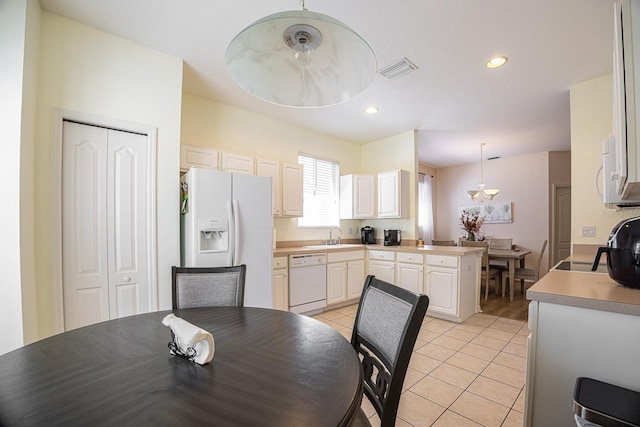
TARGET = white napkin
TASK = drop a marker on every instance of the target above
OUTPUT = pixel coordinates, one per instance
(189, 335)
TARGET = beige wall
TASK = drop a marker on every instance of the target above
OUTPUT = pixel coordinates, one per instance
(395, 152)
(207, 123)
(13, 21)
(89, 71)
(591, 123)
(523, 181)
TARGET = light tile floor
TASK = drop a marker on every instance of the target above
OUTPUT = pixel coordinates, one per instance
(468, 374)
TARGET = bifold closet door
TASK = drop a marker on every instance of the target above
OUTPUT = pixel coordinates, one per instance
(104, 267)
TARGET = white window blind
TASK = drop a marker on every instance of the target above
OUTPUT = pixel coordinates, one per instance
(321, 192)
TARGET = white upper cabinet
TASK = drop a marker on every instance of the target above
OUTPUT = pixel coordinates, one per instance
(198, 157)
(271, 168)
(393, 194)
(292, 189)
(237, 163)
(357, 196)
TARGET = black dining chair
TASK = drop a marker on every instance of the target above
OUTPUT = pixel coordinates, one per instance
(207, 286)
(386, 327)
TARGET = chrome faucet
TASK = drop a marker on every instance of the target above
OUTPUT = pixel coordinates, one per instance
(331, 241)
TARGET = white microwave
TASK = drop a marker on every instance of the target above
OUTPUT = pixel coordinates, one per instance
(621, 153)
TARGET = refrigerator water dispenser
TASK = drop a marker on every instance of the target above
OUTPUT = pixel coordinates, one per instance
(214, 234)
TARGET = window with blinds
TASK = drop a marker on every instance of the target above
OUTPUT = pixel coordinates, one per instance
(321, 192)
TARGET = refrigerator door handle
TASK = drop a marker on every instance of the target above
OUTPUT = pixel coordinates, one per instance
(232, 227)
(236, 232)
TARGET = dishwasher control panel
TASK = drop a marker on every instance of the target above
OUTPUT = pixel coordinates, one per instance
(307, 260)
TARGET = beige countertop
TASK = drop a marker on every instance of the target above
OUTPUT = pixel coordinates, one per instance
(587, 290)
(446, 250)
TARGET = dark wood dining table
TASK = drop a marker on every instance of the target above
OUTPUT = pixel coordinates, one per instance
(270, 368)
(511, 256)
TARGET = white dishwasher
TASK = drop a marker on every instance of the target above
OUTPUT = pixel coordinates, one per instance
(307, 283)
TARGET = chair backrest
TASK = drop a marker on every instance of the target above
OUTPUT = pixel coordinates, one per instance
(385, 330)
(207, 286)
(443, 243)
(481, 244)
(497, 243)
(539, 260)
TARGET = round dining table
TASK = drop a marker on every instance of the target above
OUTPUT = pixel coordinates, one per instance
(270, 368)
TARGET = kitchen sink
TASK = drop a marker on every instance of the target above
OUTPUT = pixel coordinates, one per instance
(339, 246)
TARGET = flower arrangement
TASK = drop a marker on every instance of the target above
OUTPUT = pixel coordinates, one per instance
(471, 223)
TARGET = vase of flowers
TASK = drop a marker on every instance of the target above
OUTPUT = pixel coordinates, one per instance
(471, 223)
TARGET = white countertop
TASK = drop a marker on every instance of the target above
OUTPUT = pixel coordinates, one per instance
(447, 250)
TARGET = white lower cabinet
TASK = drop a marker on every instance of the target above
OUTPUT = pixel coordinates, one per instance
(281, 283)
(382, 265)
(451, 285)
(345, 276)
(410, 271)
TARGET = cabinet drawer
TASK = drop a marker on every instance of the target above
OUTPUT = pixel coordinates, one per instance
(442, 260)
(382, 255)
(280, 262)
(410, 258)
(345, 256)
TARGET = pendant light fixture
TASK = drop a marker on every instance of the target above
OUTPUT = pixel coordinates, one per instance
(300, 58)
(481, 194)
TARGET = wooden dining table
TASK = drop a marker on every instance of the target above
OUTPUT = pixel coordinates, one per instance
(270, 368)
(511, 256)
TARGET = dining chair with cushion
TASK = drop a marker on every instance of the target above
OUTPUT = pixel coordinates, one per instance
(528, 275)
(443, 243)
(498, 243)
(208, 286)
(487, 272)
(384, 333)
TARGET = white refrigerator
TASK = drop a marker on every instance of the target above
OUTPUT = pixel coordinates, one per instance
(228, 221)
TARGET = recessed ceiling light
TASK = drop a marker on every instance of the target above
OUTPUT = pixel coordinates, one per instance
(371, 110)
(497, 61)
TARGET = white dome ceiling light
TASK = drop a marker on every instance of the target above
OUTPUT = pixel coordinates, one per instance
(300, 58)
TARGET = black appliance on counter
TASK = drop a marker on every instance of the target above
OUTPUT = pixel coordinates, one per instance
(368, 235)
(391, 237)
(623, 253)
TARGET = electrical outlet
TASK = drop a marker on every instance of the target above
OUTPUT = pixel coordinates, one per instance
(350, 230)
(588, 231)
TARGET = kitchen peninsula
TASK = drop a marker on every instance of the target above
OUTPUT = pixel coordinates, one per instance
(449, 275)
(582, 324)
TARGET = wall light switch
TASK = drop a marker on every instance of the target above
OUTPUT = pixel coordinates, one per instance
(588, 231)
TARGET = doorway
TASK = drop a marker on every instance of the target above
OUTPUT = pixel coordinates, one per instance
(561, 223)
(104, 221)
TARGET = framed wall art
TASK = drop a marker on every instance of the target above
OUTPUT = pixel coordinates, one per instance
(492, 213)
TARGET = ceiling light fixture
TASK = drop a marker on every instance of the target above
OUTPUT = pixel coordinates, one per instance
(481, 195)
(497, 61)
(371, 110)
(300, 58)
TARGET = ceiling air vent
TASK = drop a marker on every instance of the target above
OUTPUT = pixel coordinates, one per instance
(398, 69)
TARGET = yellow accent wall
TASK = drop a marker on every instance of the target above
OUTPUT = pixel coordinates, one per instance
(591, 123)
(85, 70)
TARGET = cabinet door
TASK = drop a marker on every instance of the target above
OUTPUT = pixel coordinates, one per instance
(383, 270)
(442, 289)
(281, 289)
(271, 168)
(198, 157)
(410, 277)
(355, 278)
(388, 195)
(237, 163)
(336, 282)
(364, 196)
(292, 189)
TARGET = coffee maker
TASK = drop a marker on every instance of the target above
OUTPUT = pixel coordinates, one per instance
(392, 237)
(368, 235)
